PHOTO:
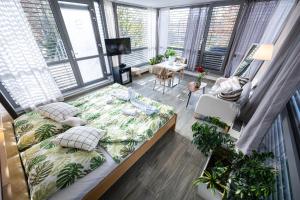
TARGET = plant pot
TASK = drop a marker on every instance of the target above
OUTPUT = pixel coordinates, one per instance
(203, 192)
(197, 84)
(207, 194)
(171, 60)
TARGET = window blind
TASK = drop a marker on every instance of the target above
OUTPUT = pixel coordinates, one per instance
(177, 27)
(283, 139)
(44, 29)
(223, 19)
(132, 22)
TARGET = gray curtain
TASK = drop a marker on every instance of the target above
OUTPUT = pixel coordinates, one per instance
(254, 19)
(193, 38)
(273, 92)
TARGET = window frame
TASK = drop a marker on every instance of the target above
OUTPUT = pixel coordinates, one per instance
(115, 7)
(207, 25)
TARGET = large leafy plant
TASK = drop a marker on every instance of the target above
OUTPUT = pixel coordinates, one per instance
(241, 176)
(208, 138)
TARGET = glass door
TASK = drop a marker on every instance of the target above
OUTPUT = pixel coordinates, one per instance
(79, 24)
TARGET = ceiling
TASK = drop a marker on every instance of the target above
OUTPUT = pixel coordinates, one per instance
(163, 3)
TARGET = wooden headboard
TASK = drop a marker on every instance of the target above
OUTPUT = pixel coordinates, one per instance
(13, 181)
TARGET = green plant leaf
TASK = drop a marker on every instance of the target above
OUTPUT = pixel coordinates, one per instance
(96, 162)
(69, 174)
(45, 131)
(40, 173)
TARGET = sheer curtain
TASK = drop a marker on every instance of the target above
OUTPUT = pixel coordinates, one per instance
(195, 28)
(23, 70)
(273, 29)
(152, 15)
(111, 29)
(274, 91)
(163, 21)
(254, 20)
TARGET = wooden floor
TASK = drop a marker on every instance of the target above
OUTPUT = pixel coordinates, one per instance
(164, 172)
(168, 169)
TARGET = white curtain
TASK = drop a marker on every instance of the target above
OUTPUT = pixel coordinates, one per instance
(163, 22)
(151, 32)
(23, 70)
(111, 29)
(192, 42)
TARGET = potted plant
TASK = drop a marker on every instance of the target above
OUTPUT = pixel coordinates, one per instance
(157, 59)
(229, 174)
(170, 55)
(200, 76)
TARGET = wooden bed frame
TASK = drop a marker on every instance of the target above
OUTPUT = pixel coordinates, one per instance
(13, 180)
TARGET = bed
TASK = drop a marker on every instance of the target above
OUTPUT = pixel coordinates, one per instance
(126, 139)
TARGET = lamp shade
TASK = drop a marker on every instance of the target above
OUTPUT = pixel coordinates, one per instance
(264, 52)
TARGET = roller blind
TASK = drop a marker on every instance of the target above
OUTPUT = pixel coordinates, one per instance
(177, 27)
(132, 22)
(44, 29)
(223, 19)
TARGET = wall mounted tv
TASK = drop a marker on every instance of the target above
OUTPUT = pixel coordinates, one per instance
(118, 46)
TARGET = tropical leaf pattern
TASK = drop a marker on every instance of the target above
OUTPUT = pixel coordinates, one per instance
(52, 169)
(69, 174)
(32, 128)
(40, 172)
(119, 128)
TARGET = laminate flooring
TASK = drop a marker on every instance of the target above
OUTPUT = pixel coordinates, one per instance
(167, 170)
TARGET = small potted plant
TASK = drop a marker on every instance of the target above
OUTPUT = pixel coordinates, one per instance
(170, 55)
(200, 76)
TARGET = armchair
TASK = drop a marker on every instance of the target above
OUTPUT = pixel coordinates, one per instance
(210, 105)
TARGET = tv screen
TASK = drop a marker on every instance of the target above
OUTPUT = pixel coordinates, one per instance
(118, 46)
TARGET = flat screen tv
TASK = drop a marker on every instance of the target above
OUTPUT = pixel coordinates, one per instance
(118, 46)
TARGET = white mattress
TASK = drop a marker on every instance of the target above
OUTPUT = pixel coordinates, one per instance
(85, 184)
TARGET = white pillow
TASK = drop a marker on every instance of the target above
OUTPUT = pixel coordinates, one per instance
(74, 121)
(58, 111)
(80, 137)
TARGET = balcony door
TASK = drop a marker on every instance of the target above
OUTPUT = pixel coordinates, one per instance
(79, 26)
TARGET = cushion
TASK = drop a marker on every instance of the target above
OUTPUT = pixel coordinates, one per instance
(245, 94)
(58, 111)
(80, 137)
(230, 96)
(74, 121)
(225, 85)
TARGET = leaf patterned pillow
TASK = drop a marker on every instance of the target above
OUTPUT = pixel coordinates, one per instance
(50, 167)
(32, 128)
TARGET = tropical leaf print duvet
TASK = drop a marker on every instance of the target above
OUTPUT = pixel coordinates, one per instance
(50, 167)
(123, 133)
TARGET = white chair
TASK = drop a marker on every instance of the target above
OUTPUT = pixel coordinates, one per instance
(227, 111)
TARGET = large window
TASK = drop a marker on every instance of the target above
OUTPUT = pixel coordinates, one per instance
(283, 139)
(223, 19)
(46, 34)
(132, 22)
(177, 28)
(73, 48)
(214, 47)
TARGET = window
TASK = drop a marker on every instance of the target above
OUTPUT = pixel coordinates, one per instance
(132, 22)
(283, 140)
(177, 28)
(44, 29)
(223, 19)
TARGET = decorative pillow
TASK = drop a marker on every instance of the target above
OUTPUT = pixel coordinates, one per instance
(80, 137)
(74, 121)
(58, 111)
(230, 96)
(245, 95)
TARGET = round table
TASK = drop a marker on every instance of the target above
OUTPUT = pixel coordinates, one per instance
(192, 88)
